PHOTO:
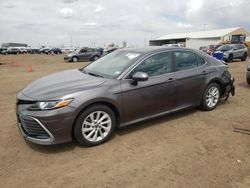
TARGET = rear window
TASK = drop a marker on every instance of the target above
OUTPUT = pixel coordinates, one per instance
(185, 60)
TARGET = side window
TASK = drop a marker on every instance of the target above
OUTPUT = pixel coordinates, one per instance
(155, 65)
(200, 61)
(83, 50)
(185, 60)
(90, 50)
(241, 46)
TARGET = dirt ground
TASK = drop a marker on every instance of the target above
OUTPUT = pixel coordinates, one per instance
(187, 149)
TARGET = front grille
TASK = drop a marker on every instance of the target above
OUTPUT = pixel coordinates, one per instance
(32, 128)
(24, 102)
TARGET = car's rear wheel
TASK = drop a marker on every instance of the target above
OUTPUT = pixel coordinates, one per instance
(244, 57)
(210, 97)
(248, 80)
(95, 58)
(94, 125)
(230, 58)
(74, 59)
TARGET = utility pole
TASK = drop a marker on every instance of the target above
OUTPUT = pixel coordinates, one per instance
(71, 42)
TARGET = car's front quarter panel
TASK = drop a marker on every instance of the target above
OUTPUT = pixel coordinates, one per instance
(108, 93)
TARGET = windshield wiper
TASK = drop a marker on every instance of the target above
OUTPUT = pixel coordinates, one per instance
(96, 75)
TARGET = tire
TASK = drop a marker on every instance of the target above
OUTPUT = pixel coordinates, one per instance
(244, 57)
(74, 59)
(95, 58)
(88, 132)
(248, 80)
(230, 58)
(211, 97)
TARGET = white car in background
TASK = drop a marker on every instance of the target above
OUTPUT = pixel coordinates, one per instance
(23, 50)
(173, 45)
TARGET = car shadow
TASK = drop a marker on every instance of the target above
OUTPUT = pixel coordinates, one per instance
(52, 149)
(154, 121)
(66, 147)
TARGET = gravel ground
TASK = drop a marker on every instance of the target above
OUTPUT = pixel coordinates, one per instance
(187, 149)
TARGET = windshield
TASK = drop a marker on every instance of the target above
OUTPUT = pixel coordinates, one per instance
(113, 64)
(225, 48)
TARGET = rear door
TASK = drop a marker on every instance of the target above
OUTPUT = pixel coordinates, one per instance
(241, 50)
(153, 96)
(190, 75)
(90, 52)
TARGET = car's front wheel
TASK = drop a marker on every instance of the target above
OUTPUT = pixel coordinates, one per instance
(244, 57)
(210, 97)
(230, 58)
(74, 59)
(94, 125)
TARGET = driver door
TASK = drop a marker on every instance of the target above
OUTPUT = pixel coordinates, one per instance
(154, 96)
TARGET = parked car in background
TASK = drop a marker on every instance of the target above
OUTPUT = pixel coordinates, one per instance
(119, 89)
(248, 74)
(67, 50)
(56, 51)
(101, 50)
(211, 48)
(23, 50)
(45, 51)
(173, 45)
(10, 50)
(34, 50)
(85, 53)
(2, 49)
(233, 51)
(109, 50)
(203, 48)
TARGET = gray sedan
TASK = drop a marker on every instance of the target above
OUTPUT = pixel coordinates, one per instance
(122, 88)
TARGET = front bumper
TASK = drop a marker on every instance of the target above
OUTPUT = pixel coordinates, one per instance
(45, 127)
(67, 58)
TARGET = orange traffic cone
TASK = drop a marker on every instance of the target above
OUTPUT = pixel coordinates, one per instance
(30, 69)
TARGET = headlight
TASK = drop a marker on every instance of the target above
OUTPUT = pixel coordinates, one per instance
(50, 105)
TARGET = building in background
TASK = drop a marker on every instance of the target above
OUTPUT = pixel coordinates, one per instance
(12, 44)
(203, 38)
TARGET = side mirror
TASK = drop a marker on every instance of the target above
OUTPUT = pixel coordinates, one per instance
(235, 48)
(139, 77)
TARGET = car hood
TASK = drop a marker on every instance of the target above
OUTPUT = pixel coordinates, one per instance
(72, 54)
(59, 84)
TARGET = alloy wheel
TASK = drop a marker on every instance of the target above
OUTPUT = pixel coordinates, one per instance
(74, 59)
(96, 126)
(212, 97)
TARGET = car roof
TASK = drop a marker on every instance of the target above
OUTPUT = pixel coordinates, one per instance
(151, 49)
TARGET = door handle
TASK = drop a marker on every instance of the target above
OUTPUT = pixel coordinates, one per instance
(204, 72)
(170, 80)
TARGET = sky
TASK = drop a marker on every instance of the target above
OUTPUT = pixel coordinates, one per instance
(98, 22)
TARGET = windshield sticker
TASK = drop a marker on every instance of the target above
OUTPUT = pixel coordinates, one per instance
(117, 72)
(132, 55)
